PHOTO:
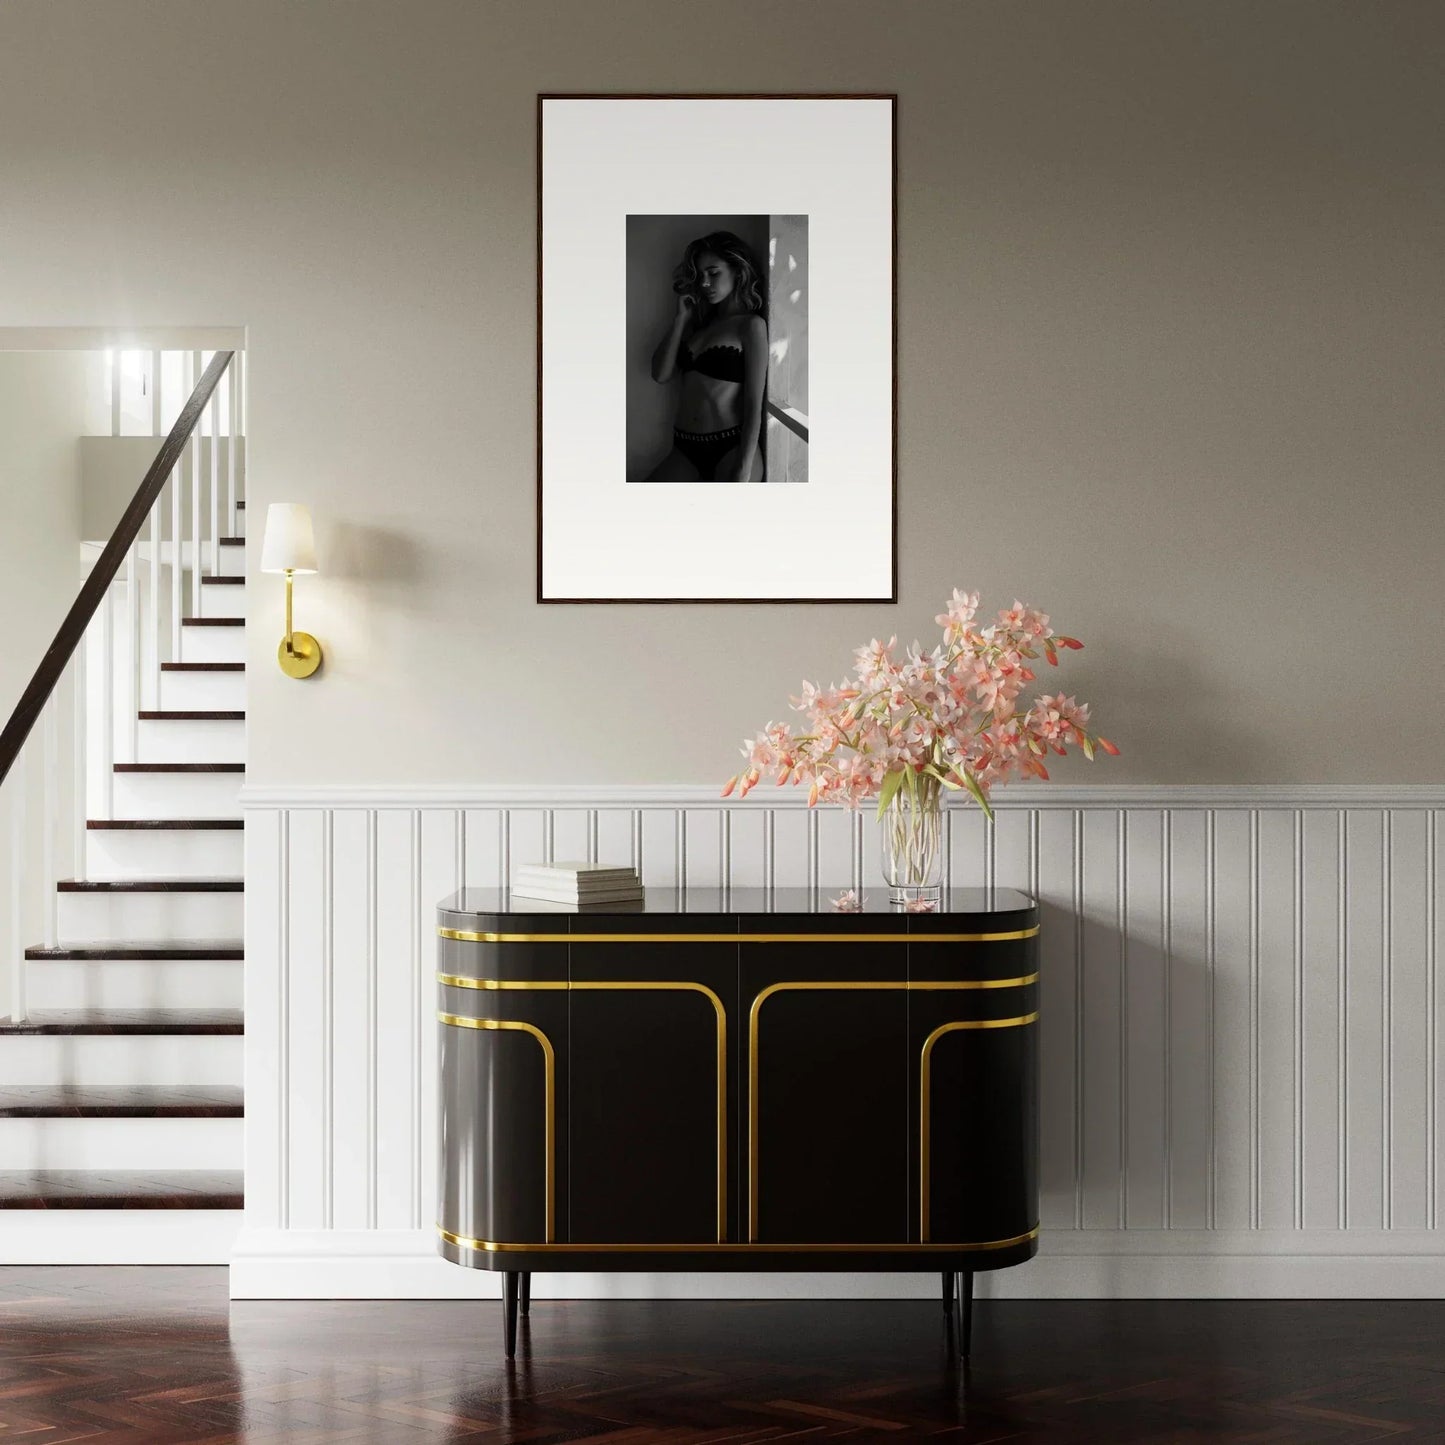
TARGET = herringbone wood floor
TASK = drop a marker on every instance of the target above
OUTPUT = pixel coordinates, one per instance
(158, 1355)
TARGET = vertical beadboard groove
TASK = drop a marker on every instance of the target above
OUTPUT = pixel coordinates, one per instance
(1121, 924)
(1254, 1018)
(592, 835)
(1166, 899)
(1432, 1150)
(1387, 1029)
(371, 1020)
(1211, 930)
(1342, 989)
(416, 1016)
(328, 1018)
(283, 1023)
(1298, 984)
(1078, 917)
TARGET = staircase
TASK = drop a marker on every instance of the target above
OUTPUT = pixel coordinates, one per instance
(121, 1064)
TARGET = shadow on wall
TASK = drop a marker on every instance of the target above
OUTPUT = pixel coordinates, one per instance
(655, 246)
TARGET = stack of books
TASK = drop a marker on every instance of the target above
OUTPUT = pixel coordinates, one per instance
(578, 885)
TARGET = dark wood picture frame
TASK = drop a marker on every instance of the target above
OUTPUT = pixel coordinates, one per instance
(890, 97)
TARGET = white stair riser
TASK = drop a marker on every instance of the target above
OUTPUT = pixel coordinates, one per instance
(124, 917)
(233, 562)
(178, 795)
(189, 740)
(203, 691)
(122, 1059)
(143, 983)
(164, 853)
(74, 1143)
(213, 644)
(222, 601)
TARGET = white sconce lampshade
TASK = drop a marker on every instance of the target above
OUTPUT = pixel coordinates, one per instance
(289, 545)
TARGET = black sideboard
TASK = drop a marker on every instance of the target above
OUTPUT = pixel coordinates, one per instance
(739, 1081)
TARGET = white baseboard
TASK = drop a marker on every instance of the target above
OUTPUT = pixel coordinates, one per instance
(403, 1264)
(118, 1236)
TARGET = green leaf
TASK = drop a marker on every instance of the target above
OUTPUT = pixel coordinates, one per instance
(1088, 747)
(890, 786)
(971, 783)
(943, 778)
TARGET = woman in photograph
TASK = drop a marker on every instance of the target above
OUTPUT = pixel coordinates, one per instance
(718, 344)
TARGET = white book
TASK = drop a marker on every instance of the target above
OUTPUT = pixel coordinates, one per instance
(586, 873)
(562, 895)
(522, 878)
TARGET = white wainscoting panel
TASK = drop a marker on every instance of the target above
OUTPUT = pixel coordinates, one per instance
(1241, 1017)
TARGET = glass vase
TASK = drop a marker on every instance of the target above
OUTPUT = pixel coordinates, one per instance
(912, 849)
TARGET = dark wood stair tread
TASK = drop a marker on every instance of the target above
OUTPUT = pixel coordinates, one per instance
(223, 581)
(121, 1189)
(189, 825)
(170, 714)
(129, 1021)
(180, 767)
(232, 541)
(151, 885)
(121, 1101)
(203, 667)
(199, 950)
(213, 621)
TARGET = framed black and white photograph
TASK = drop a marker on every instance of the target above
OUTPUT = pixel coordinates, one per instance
(716, 348)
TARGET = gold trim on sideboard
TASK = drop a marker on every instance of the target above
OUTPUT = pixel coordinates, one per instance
(925, 1080)
(460, 935)
(549, 1065)
(452, 980)
(905, 984)
(488, 1246)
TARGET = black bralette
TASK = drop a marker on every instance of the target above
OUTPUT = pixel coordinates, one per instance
(725, 363)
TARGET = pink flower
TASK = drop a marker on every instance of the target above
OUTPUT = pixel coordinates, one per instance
(848, 902)
(947, 712)
(921, 905)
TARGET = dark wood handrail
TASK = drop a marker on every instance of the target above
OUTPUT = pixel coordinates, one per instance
(95, 586)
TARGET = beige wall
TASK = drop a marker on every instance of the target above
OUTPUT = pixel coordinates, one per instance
(1170, 354)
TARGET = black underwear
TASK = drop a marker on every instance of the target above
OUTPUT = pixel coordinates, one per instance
(705, 449)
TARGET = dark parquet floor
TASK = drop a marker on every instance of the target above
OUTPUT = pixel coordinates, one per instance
(160, 1355)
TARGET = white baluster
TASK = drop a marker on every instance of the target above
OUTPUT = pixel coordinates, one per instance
(79, 664)
(233, 380)
(197, 361)
(244, 428)
(107, 707)
(153, 631)
(18, 782)
(132, 658)
(49, 801)
(214, 407)
(174, 483)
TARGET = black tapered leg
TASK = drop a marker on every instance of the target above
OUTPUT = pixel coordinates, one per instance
(965, 1301)
(526, 1293)
(948, 1292)
(509, 1310)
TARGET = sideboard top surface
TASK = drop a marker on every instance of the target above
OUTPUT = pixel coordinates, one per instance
(728, 909)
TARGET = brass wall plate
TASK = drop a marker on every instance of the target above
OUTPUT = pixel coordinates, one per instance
(302, 658)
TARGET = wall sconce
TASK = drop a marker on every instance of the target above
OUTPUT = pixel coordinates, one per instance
(290, 548)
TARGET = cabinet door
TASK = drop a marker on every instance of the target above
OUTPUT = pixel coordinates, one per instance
(827, 1092)
(654, 1091)
(502, 1021)
(973, 1063)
